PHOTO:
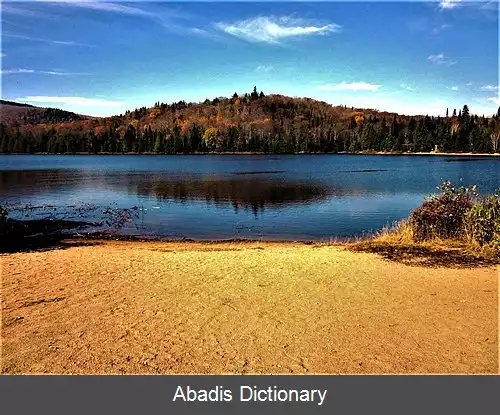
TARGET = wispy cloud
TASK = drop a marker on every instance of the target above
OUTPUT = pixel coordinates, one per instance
(495, 100)
(449, 4)
(72, 101)
(3, 55)
(16, 71)
(209, 34)
(353, 86)
(106, 7)
(440, 59)
(491, 5)
(201, 32)
(489, 88)
(273, 29)
(33, 71)
(264, 68)
(407, 87)
(22, 11)
(393, 104)
(485, 9)
(441, 28)
(54, 42)
(163, 16)
(455, 88)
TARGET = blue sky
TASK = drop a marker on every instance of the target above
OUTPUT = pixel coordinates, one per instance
(102, 58)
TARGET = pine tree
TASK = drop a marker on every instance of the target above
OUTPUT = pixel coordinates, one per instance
(158, 148)
(254, 94)
(465, 112)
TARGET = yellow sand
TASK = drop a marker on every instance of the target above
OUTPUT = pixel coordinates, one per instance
(130, 307)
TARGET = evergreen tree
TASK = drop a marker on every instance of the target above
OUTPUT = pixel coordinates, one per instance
(465, 112)
(158, 148)
(254, 94)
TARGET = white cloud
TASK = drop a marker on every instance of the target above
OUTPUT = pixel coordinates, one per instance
(441, 28)
(264, 68)
(199, 31)
(163, 17)
(21, 11)
(391, 104)
(407, 87)
(421, 106)
(33, 71)
(440, 59)
(72, 101)
(495, 100)
(449, 4)
(55, 42)
(489, 88)
(16, 71)
(204, 33)
(454, 88)
(353, 86)
(273, 29)
(106, 7)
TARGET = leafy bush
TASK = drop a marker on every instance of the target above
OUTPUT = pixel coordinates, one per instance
(442, 216)
(482, 222)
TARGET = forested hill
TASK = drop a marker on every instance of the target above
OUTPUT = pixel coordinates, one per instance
(14, 113)
(246, 123)
(15, 104)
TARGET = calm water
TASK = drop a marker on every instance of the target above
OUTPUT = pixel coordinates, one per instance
(302, 197)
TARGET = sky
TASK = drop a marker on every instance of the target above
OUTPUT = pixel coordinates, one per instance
(102, 58)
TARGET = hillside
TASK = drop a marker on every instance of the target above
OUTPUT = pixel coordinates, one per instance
(15, 104)
(13, 113)
(247, 123)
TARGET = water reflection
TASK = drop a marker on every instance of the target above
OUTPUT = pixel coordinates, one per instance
(254, 194)
(249, 192)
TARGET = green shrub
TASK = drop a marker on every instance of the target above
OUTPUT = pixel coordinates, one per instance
(442, 216)
(482, 222)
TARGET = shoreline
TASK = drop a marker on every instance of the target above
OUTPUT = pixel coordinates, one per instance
(236, 153)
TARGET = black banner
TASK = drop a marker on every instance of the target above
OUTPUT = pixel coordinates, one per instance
(249, 394)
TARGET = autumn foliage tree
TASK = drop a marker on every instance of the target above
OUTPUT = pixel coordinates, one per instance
(210, 138)
(251, 122)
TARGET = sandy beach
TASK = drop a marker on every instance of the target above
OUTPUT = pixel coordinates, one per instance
(233, 308)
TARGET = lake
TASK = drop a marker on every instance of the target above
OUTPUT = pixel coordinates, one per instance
(271, 197)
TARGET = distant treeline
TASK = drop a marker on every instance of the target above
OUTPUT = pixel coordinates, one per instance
(250, 123)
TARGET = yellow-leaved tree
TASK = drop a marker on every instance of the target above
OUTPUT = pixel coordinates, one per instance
(210, 138)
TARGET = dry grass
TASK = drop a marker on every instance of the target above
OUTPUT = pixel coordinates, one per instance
(130, 307)
(397, 243)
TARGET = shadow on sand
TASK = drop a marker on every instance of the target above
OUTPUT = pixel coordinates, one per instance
(426, 256)
(40, 235)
